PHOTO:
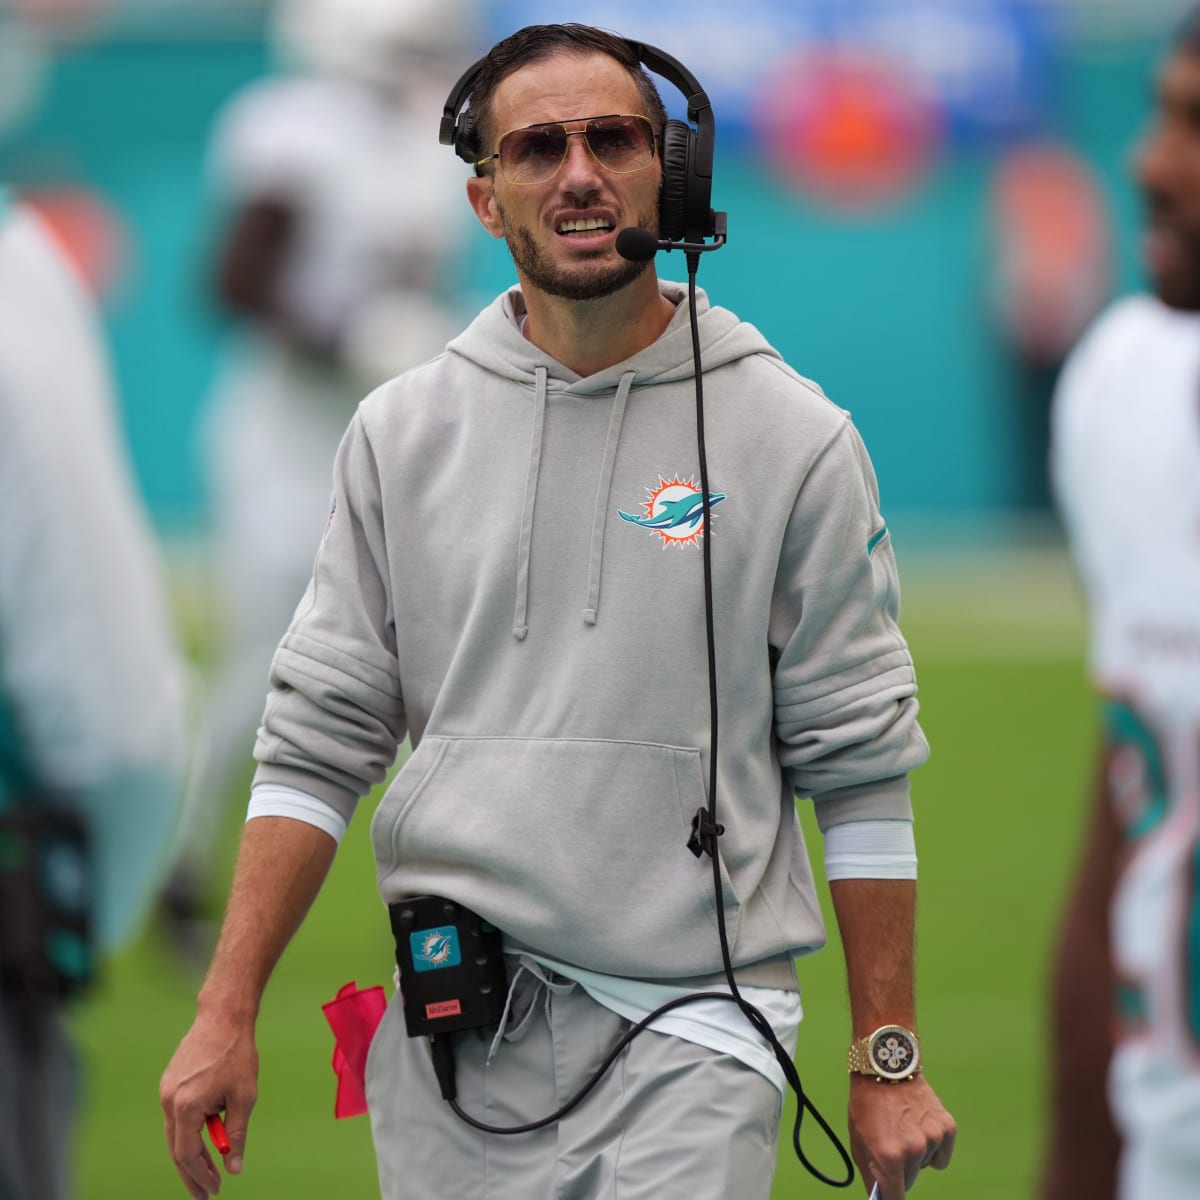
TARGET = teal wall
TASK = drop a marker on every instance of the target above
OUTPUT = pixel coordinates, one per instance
(888, 314)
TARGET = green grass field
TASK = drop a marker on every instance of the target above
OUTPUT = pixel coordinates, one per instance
(998, 646)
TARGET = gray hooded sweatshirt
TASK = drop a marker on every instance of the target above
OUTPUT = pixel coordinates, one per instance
(512, 575)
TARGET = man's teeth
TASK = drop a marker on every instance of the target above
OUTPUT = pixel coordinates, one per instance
(587, 225)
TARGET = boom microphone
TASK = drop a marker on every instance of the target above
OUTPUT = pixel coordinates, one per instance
(640, 245)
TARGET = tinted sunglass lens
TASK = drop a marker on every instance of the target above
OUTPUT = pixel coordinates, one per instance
(621, 143)
(533, 155)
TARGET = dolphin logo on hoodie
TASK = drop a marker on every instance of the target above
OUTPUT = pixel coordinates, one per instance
(674, 510)
(689, 510)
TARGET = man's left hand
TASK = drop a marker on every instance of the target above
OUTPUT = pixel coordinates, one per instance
(895, 1130)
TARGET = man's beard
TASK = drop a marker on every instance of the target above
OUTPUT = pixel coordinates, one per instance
(579, 284)
(1178, 288)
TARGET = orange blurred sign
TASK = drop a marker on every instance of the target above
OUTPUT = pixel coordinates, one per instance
(847, 130)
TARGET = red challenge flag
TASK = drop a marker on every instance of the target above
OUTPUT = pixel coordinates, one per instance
(353, 1015)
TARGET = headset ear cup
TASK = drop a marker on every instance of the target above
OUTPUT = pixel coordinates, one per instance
(673, 199)
(466, 137)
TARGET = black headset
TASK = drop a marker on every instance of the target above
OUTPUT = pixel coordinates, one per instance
(684, 207)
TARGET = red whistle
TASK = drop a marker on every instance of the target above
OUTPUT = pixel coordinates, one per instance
(216, 1131)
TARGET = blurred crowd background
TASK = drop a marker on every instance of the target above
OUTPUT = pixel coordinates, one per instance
(927, 201)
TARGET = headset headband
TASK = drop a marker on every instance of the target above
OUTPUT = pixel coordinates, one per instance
(659, 61)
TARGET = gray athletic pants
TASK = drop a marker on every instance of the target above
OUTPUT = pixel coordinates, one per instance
(37, 1101)
(670, 1118)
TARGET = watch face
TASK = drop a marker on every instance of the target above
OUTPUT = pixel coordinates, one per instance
(893, 1052)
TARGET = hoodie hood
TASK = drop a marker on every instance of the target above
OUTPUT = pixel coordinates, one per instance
(494, 342)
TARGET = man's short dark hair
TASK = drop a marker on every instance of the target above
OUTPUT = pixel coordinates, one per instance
(537, 42)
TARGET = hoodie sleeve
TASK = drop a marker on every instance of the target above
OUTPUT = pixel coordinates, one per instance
(335, 713)
(845, 706)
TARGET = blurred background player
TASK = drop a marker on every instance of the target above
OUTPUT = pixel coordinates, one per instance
(91, 718)
(338, 261)
(1126, 470)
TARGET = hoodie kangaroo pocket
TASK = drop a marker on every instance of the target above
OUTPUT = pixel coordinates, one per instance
(576, 847)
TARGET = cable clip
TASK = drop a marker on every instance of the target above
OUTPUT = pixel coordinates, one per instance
(704, 834)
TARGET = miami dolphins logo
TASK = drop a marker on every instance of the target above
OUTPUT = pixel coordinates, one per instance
(434, 948)
(674, 511)
(437, 948)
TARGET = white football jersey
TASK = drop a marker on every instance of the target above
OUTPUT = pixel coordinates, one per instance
(1125, 462)
(382, 204)
(371, 265)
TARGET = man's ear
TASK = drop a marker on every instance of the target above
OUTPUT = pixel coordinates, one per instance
(481, 191)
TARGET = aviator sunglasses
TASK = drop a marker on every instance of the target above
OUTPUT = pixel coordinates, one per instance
(622, 144)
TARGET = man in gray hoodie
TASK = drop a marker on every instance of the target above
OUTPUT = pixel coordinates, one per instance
(511, 575)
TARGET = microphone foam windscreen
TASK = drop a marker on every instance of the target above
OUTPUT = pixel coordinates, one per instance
(638, 245)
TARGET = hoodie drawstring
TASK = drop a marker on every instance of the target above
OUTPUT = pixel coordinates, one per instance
(600, 515)
(520, 618)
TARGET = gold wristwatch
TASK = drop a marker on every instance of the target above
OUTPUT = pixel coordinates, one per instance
(891, 1054)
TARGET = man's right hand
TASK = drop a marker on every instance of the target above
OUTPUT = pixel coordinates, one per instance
(214, 1070)
(280, 867)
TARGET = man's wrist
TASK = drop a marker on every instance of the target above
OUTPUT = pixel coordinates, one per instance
(890, 1053)
(229, 1005)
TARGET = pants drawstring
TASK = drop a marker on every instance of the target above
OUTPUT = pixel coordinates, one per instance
(544, 987)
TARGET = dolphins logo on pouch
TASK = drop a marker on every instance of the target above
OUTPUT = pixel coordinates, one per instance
(434, 948)
(437, 948)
